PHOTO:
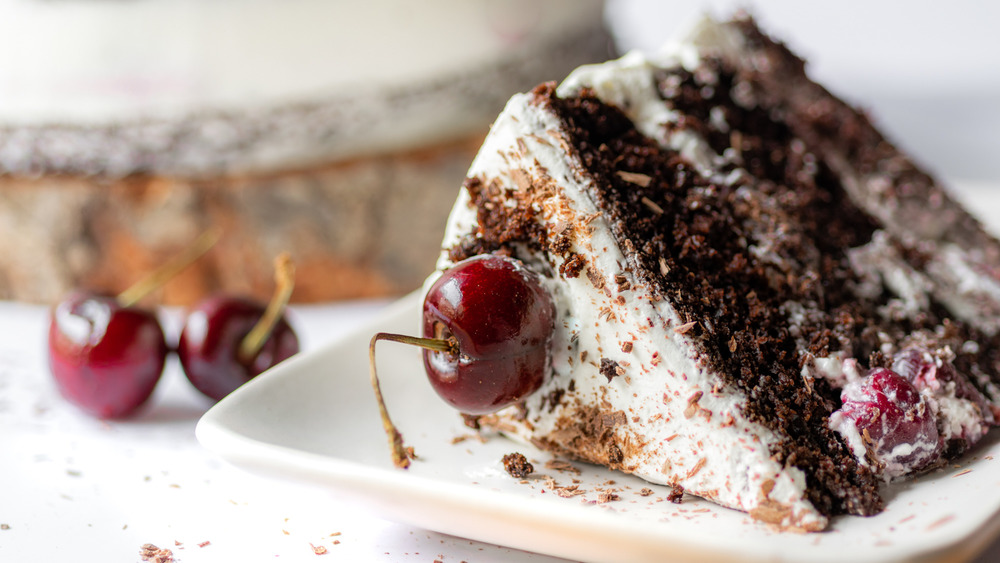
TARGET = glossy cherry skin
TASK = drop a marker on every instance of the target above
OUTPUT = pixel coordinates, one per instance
(502, 321)
(211, 338)
(105, 358)
(940, 380)
(900, 424)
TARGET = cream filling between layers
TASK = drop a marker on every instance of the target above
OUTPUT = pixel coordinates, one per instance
(671, 417)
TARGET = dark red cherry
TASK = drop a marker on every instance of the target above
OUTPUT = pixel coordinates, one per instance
(209, 345)
(940, 380)
(487, 325)
(889, 412)
(500, 320)
(105, 358)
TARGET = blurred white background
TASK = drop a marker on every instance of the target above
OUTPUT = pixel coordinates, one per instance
(928, 71)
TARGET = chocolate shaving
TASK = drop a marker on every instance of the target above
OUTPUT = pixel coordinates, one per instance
(153, 554)
(684, 328)
(607, 496)
(652, 205)
(692, 404)
(517, 465)
(641, 180)
(561, 466)
(610, 369)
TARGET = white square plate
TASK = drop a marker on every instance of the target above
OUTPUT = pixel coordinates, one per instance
(313, 419)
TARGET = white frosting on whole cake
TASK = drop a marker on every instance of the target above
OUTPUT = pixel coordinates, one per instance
(290, 82)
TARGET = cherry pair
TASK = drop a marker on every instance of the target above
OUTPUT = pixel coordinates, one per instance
(106, 354)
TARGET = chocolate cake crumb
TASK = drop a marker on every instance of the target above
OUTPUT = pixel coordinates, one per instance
(562, 242)
(676, 494)
(879, 360)
(610, 369)
(471, 421)
(572, 267)
(517, 465)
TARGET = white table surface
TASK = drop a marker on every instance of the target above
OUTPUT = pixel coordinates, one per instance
(78, 489)
(73, 488)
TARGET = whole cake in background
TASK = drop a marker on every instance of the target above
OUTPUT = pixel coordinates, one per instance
(335, 131)
(758, 299)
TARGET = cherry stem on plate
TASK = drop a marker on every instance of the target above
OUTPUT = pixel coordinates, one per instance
(400, 455)
(168, 270)
(284, 280)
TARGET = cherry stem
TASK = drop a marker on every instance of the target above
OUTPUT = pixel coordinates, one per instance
(400, 455)
(284, 280)
(168, 270)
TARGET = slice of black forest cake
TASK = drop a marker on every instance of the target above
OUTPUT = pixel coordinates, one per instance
(758, 298)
